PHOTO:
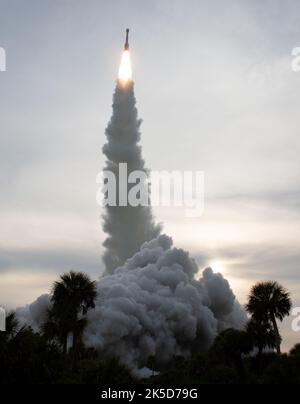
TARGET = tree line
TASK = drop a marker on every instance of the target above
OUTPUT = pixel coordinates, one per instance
(57, 353)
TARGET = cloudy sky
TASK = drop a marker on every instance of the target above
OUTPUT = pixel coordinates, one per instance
(216, 92)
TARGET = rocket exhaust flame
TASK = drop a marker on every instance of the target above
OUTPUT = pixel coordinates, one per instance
(125, 70)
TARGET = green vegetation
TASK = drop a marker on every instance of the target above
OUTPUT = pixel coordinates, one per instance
(236, 357)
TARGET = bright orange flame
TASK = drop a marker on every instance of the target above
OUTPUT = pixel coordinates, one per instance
(125, 71)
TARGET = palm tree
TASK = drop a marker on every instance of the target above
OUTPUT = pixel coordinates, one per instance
(73, 295)
(262, 334)
(9, 341)
(12, 327)
(56, 329)
(267, 302)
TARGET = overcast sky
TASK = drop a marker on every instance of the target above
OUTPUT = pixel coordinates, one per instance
(216, 92)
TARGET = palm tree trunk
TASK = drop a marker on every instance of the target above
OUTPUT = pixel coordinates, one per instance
(277, 335)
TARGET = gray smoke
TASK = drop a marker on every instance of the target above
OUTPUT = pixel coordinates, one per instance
(151, 302)
(153, 306)
(127, 227)
(34, 314)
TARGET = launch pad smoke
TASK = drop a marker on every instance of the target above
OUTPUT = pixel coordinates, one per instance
(150, 301)
(153, 306)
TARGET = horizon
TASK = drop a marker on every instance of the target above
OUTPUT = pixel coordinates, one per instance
(217, 93)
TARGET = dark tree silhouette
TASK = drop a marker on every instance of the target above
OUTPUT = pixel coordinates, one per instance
(73, 295)
(262, 334)
(12, 329)
(295, 351)
(267, 302)
(230, 345)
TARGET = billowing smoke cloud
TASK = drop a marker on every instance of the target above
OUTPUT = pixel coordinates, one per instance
(154, 306)
(127, 227)
(150, 301)
(34, 314)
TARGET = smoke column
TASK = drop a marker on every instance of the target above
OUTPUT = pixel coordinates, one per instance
(127, 227)
(152, 301)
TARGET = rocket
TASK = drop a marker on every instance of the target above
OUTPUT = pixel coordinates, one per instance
(126, 46)
(125, 72)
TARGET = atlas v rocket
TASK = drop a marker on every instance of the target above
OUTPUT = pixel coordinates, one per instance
(126, 46)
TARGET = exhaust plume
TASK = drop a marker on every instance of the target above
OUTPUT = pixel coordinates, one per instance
(153, 306)
(34, 314)
(127, 227)
(150, 301)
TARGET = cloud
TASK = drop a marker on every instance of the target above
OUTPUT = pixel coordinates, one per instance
(283, 199)
(237, 118)
(55, 260)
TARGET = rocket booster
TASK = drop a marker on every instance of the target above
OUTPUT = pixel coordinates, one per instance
(126, 46)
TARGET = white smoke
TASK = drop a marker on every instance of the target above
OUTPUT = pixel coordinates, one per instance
(127, 227)
(153, 307)
(34, 314)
